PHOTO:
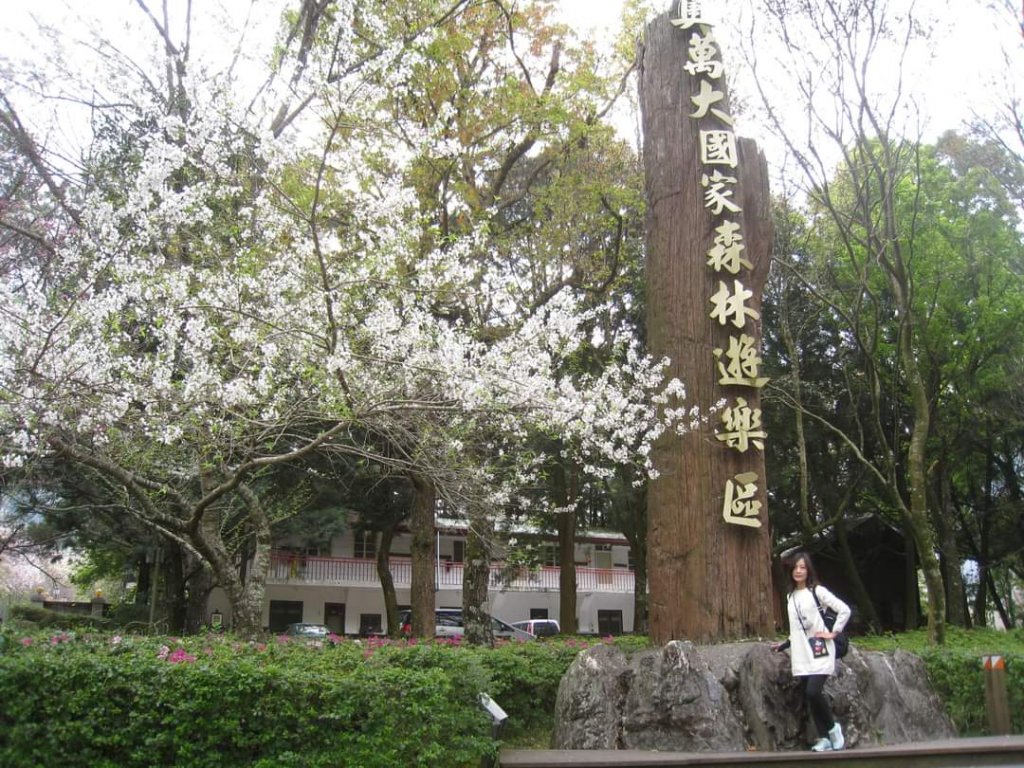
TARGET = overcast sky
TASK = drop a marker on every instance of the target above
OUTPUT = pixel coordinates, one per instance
(960, 77)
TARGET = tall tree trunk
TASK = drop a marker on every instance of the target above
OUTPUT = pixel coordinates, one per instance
(424, 557)
(387, 581)
(245, 592)
(636, 535)
(911, 589)
(563, 476)
(708, 578)
(980, 597)
(567, 571)
(145, 579)
(475, 577)
(174, 589)
(861, 598)
(1004, 616)
(982, 552)
(798, 412)
(949, 549)
(200, 583)
(640, 622)
(917, 513)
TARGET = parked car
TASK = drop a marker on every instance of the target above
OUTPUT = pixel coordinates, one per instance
(448, 623)
(303, 629)
(539, 627)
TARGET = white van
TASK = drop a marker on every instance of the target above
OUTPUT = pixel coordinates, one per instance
(538, 627)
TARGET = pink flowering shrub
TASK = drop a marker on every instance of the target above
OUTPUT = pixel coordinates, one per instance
(179, 656)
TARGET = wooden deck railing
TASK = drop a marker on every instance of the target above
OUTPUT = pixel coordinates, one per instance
(287, 568)
(952, 753)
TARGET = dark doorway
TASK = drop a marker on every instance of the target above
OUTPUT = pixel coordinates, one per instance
(283, 613)
(334, 617)
(609, 622)
(369, 624)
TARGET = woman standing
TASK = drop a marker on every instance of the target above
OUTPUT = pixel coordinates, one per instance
(812, 650)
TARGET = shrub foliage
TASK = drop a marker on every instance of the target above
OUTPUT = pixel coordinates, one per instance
(98, 699)
(110, 701)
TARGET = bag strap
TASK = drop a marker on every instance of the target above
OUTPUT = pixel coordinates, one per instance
(800, 616)
(818, 603)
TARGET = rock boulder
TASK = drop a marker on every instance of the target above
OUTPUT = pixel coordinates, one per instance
(736, 696)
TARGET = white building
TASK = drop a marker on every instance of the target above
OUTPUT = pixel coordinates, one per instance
(337, 584)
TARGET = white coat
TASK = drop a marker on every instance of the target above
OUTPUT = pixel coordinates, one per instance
(804, 621)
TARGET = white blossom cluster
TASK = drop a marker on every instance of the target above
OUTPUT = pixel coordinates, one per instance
(222, 295)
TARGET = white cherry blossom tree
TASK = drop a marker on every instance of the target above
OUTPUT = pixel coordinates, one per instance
(222, 286)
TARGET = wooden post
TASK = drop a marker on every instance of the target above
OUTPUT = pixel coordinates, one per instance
(709, 235)
(997, 704)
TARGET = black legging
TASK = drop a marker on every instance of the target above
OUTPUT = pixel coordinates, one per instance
(820, 710)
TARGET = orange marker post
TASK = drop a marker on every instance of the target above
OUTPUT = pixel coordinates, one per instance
(997, 704)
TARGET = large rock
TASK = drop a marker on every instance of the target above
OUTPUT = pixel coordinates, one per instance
(662, 699)
(734, 696)
(588, 709)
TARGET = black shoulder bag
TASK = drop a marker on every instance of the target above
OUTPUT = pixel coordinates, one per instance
(841, 640)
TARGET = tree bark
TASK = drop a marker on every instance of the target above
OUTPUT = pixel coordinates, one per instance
(949, 549)
(861, 598)
(200, 584)
(387, 581)
(637, 537)
(709, 580)
(567, 572)
(911, 589)
(798, 412)
(917, 473)
(424, 557)
(475, 577)
(175, 608)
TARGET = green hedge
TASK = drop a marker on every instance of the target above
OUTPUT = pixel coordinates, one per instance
(95, 699)
(525, 677)
(103, 701)
(958, 678)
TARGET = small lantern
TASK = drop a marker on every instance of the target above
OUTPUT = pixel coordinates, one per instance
(216, 619)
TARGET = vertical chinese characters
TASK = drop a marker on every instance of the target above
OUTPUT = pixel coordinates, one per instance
(738, 364)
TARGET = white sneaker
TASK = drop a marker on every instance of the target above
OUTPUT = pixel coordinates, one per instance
(822, 745)
(835, 736)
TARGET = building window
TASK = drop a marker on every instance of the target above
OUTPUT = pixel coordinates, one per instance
(550, 555)
(538, 613)
(458, 551)
(366, 545)
(609, 622)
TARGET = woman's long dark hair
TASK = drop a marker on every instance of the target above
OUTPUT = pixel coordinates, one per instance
(790, 563)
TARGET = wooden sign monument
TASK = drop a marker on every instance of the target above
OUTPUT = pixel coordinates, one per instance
(708, 242)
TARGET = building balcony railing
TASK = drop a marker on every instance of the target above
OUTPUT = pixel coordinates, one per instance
(288, 568)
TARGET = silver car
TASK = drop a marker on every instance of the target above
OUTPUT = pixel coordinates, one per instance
(303, 629)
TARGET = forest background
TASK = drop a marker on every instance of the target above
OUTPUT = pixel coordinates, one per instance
(387, 259)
